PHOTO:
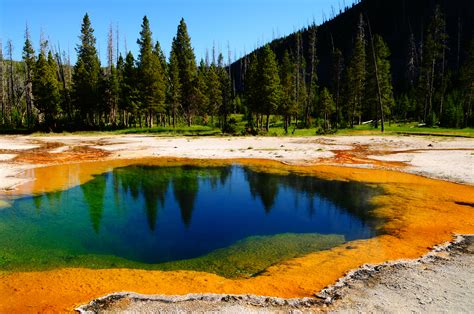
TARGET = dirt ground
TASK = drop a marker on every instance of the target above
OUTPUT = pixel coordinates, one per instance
(417, 286)
(442, 282)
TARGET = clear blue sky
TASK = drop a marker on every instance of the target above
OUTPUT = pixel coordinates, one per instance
(243, 24)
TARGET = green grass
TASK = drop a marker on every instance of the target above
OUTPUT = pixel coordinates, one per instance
(276, 129)
(407, 128)
(196, 130)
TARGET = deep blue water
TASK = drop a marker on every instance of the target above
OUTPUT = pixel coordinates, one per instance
(157, 214)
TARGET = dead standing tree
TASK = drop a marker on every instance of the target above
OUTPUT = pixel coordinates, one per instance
(379, 93)
(2, 94)
(64, 75)
(29, 62)
(13, 90)
(112, 102)
(313, 76)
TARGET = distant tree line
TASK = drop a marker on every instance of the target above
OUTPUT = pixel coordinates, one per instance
(45, 92)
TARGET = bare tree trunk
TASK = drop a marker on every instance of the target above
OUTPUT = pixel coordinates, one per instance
(431, 87)
(112, 101)
(353, 111)
(338, 92)
(298, 61)
(110, 49)
(442, 83)
(63, 77)
(2, 95)
(68, 81)
(312, 84)
(11, 97)
(28, 96)
(174, 117)
(29, 100)
(29, 56)
(326, 125)
(379, 93)
(232, 83)
(468, 111)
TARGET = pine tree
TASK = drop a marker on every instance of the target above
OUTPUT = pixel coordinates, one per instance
(383, 81)
(301, 94)
(412, 62)
(453, 115)
(129, 93)
(326, 107)
(11, 90)
(313, 76)
(186, 61)
(432, 82)
(287, 78)
(200, 94)
(270, 82)
(150, 75)
(226, 92)
(174, 89)
(412, 75)
(252, 90)
(110, 83)
(159, 61)
(114, 88)
(405, 106)
(144, 70)
(29, 59)
(120, 70)
(2, 94)
(467, 86)
(86, 75)
(46, 88)
(356, 77)
(109, 93)
(213, 90)
(64, 77)
(337, 69)
(162, 59)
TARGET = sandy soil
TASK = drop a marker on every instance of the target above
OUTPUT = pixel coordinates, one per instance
(449, 159)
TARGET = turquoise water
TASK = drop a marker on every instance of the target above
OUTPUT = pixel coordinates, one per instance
(184, 218)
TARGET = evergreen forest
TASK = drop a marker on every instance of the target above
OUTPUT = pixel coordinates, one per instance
(375, 63)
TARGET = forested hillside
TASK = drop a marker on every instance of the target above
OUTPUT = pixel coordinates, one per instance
(414, 32)
(378, 61)
(395, 20)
